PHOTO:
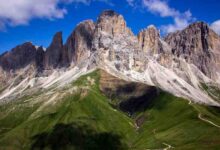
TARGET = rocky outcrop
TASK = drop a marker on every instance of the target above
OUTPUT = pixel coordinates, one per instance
(19, 63)
(111, 22)
(40, 59)
(79, 43)
(19, 57)
(149, 41)
(152, 45)
(115, 43)
(53, 53)
(199, 45)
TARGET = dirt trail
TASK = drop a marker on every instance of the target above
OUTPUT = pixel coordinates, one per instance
(168, 146)
(203, 119)
(208, 121)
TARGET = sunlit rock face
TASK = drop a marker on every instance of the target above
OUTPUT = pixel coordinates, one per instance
(199, 45)
(149, 40)
(79, 43)
(112, 23)
(116, 44)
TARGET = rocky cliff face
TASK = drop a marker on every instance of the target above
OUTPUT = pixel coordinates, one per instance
(79, 43)
(153, 46)
(22, 61)
(113, 23)
(149, 41)
(199, 45)
(18, 57)
(40, 56)
(53, 53)
(116, 44)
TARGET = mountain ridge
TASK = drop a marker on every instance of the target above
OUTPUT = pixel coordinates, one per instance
(109, 44)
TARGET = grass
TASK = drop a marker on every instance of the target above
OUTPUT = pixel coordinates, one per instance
(88, 115)
(172, 120)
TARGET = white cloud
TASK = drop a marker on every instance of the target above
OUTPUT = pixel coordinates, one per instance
(20, 12)
(130, 2)
(161, 8)
(216, 26)
(180, 22)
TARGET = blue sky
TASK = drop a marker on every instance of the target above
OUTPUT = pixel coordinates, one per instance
(38, 20)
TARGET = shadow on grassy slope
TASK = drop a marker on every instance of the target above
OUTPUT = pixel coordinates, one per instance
(79, 137)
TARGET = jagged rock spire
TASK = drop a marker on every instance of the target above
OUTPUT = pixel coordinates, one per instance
(79, 43)
(54, 51)
(149, 40)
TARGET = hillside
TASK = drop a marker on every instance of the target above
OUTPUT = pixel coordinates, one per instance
(81, 116)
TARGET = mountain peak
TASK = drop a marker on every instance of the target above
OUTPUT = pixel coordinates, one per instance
(149, 40)
(197, 44)
(18, 57)
(108, 13)
(199, 24)
(151, 27)
(53, 52)
(88, 21)
(57, 38)
(113, 23)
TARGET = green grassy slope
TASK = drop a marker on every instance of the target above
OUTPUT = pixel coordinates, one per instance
(173, 121)
(85, 119)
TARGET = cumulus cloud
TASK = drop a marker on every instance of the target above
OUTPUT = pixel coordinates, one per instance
(180, 22)
(216, 26)
(161, 8)
(20, 12)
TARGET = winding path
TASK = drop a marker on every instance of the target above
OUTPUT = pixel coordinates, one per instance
(168, 146)
(208, 121)
(203, 119)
